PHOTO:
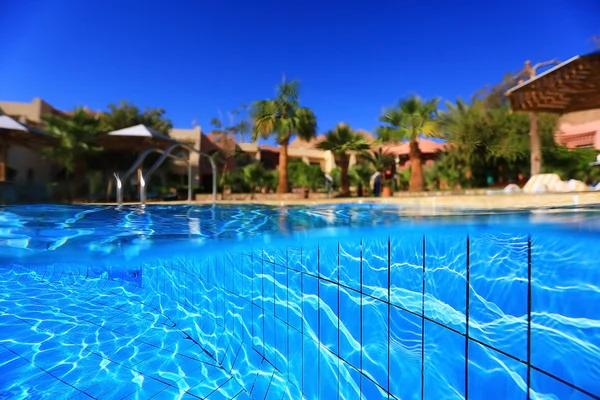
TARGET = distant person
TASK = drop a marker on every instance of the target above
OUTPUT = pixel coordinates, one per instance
(328, 183)
(375, 183)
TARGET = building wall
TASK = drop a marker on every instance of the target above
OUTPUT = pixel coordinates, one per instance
(27, 112)
(23, 159)
(579, 129)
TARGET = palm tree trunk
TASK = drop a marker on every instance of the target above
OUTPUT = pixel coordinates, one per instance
(224, 178)
(416, 168)
(535, 143)
(282, 186)
(345, 180)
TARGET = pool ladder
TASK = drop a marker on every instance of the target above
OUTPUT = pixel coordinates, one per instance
(145, 178)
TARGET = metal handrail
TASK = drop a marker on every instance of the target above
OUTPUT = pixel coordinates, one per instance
(145, 178)
(138, 162)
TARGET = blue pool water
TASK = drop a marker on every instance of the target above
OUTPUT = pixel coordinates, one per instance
(327, 302)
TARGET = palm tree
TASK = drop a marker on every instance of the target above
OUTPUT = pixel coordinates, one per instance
(283, 117)
(379, 161)
(340, 142)
(412, 118)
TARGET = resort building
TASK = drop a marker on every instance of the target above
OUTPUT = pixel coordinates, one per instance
(579, 129)
(27, 166)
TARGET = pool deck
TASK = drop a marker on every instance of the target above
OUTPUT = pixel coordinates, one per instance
(495, 201)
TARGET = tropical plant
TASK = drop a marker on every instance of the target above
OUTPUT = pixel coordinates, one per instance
(360, 176)
(305, 176)
(336, 177)
(255, 176)
(271, 179)
(77, 135)
(341, 141)
(571, 163)
(225, 138)
(235, 181)
(411, 119)
(449, 171)
(489, 140)
(126, 114)
(495, 96)
(281, 118)
(380, 161)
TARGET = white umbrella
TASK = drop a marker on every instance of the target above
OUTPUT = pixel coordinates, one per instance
(596, 163)
(139, 131)
(138, 137)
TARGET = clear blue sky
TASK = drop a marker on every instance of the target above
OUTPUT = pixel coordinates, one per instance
(194, 58)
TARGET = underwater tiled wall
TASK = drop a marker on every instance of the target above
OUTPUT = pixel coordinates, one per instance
(411, 317)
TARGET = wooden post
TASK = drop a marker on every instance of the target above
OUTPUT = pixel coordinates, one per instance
(3, 163)
(535, 142)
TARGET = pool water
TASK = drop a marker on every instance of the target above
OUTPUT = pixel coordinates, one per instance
(325, 302)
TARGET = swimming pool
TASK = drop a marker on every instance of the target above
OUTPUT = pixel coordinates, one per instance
(341, 302)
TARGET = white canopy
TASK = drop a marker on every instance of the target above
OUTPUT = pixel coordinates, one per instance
(7, 122)
(139, 131)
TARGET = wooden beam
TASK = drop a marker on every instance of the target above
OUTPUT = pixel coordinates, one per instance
(3, 163)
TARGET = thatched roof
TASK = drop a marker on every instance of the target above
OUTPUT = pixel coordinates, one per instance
(573, 85)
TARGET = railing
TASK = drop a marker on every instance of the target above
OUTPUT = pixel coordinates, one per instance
(165, 154)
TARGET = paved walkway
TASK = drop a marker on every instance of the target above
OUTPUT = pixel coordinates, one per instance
(492, 201)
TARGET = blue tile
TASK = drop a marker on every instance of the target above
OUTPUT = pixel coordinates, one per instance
(493, 372)
(295, 258)
(445, 363)
(208, 386)
(257, 279)
(269, 337)
(565, 335)
(295, 357)
(295, 299)
(258, 329)
(498, 297)
(545, 387)
(281, 293)
(247, 277)
(405, 354)
(310, 374)
(310, 300)
(350, 326)
(349, 383)
(276, 255)
(310, 260)
(277, 388)
(445, 280)
(328, 261)
(227, 391)
(406, 272)
(328, 313)
(370, 390)
(350, 264)
(375, 340)
(375, 269)
(328, 375)
(172, 393)
(268, 288)
(281, 346)
(263, 380)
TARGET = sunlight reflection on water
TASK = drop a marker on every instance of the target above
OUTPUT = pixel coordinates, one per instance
(215, 303)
